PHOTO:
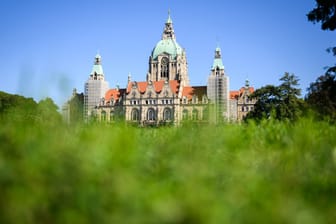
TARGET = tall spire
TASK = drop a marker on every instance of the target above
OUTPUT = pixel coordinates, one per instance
(168, 32)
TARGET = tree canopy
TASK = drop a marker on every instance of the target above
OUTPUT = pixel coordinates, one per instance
(324, 12)
(21, 109)
(322, 96)
(279, 102)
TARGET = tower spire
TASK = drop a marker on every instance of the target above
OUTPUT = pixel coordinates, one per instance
(218, 63)
(169, 20)
(168, 32)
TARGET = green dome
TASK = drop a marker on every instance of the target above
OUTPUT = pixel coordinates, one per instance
(168, 46)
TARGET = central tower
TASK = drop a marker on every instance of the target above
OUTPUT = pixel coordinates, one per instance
(168, 60)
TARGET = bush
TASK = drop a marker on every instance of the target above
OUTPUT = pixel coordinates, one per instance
(270, 172)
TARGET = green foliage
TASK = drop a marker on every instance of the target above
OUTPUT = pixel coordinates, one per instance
(322, 96)
(270, 172)
(18, 107)
(278, 102)
(19, 110)
(325, 12)
(76, 109)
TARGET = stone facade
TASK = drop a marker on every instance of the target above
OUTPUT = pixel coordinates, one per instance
(166, 97)
(241, 102)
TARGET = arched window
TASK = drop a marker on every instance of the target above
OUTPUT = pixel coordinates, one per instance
(195, 114)
(103, 115)
(205, 114)
(185, 114)
(135, 115)
(112, 116)
(167, 114)
(151, 114)
(217, 71)
(164, 68)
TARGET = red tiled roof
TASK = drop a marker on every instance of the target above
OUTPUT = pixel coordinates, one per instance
(158, 85)
(234, 94)
(189, 91)
(112, 93)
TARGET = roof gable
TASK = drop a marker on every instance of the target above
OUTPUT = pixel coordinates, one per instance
(157, 86)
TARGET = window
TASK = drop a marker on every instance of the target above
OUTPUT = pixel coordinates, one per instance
(167, 114)
(217, 71)
(111, 115)
(205, 114)
(184, 100)
(135, 115)
(164, 68)
(151, 114)
(194, 99)
(195, 114)
(185, 114)
(103, 116)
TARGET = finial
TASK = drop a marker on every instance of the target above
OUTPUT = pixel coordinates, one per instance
(169, 20)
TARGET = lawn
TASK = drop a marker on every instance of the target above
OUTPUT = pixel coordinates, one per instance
(272, 172)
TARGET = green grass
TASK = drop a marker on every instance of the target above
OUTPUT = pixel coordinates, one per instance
(271, 172)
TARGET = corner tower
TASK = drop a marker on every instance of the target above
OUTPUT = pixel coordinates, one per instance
(95, 88)
(168, 60)
(218, 89)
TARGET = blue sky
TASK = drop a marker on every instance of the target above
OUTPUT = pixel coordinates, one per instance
(48, 47)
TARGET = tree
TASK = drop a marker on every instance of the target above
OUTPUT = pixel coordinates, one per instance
(290, 104)
(321, 96)
(268, 99)
(17, 108)
(47, 111)
(325, 12)
(278, 102)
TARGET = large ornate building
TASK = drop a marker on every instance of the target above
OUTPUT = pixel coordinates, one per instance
(166, 96)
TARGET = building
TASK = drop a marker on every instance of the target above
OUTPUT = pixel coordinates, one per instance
(73, 110)
(218, 90)
(242, 102)
(165, 97)
(95, 88)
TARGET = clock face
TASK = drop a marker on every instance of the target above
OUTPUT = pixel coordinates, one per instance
(164, 61)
